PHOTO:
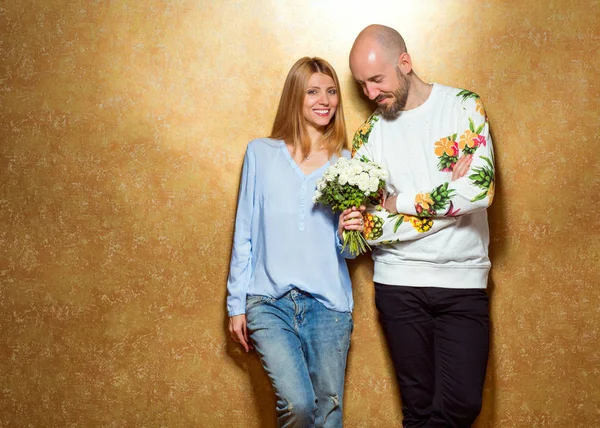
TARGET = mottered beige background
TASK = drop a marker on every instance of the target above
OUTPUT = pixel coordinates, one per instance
(123, 126)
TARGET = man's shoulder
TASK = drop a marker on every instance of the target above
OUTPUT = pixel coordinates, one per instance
(458, 96)
(361, 136)
(371, 121)
(463, 102)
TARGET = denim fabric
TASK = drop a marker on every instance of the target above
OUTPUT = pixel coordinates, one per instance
(303, 347)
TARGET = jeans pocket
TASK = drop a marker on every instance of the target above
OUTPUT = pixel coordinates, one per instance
(254, 300)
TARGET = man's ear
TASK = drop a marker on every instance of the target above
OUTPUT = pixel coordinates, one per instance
(405, 63)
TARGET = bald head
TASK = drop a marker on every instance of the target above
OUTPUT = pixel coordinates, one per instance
(382, 67)
(387, 41)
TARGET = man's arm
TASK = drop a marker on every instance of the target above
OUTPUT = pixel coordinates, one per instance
(383, 227)
(471, 187)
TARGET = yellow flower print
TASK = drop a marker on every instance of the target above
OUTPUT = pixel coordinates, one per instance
(420, 224)
(365, 128)
(467, 139)
(361, 136)
(357, 143)
(445, 145)
(411, 219)
(425, 225)
(424, 199)
(479, 107)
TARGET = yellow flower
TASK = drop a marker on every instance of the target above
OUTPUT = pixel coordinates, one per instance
(491, 192)
(467, 139)
(421, 225)
(424, 199)
(365, 128)
(426, 224)
(357, 143)
(445, 145)
(479, 107)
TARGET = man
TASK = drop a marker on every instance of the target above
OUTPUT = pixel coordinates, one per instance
(430, 289)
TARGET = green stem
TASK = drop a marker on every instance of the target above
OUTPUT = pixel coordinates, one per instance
(355, 242)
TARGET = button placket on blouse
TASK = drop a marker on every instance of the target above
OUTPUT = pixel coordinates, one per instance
(302, 213)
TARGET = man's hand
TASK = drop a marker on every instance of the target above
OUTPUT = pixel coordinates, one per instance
(239, 331)
(462, 167)
(390, 204)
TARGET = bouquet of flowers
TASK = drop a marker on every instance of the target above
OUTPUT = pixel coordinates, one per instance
(350, 183)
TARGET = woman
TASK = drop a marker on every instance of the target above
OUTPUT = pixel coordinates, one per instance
(289, 290)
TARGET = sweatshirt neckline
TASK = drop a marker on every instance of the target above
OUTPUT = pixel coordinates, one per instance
(423, 107)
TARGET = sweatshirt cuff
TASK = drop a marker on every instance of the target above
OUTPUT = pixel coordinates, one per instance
(405, 205)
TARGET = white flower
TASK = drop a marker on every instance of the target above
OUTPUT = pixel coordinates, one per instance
(367, 177)
(316, 197)
(362, 181)
(343, 178)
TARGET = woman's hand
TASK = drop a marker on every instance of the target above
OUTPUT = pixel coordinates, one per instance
(239, 331)
(351, 219)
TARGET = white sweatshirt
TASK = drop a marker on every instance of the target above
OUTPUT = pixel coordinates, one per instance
(440, 236)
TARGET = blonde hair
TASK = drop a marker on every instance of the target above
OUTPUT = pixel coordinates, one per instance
(290, 125)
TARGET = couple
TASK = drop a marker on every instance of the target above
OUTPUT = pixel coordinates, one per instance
(289, 291)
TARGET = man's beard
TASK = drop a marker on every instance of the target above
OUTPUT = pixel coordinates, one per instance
(400, 95)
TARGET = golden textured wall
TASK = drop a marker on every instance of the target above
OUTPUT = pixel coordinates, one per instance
(123, 126)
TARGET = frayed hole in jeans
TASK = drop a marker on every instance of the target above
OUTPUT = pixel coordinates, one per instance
(335, 400)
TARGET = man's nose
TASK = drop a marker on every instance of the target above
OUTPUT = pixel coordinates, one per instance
(371, 92)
